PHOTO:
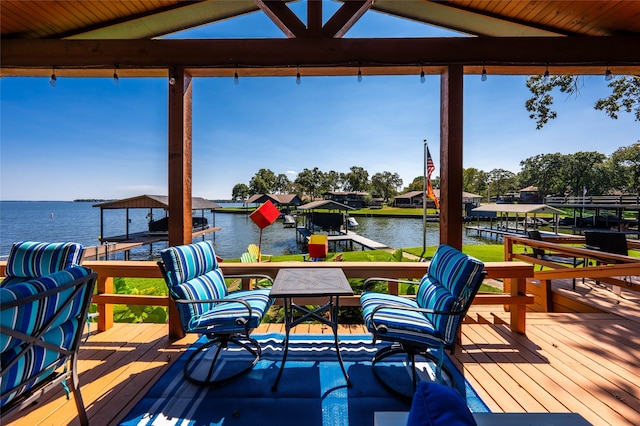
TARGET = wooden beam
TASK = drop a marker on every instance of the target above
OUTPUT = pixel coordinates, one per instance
(272, 56)
(283, 17)
(345, 17)
(451, 107)
(314, 19)
(180, 171)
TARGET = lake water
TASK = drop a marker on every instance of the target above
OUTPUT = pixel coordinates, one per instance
(80, 222)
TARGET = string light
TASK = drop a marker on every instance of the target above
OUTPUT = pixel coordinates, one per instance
(172, 77)
(483, 77)
(545, 77)
(607, 74)
(422, 79)
(116, 79)
(359, 74)
(236, 79)
(53, 79)
(298, 79)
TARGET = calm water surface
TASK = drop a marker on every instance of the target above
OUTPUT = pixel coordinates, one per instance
(80, 222)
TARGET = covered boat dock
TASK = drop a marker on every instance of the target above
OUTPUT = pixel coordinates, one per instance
(158, 229)
(502, 215)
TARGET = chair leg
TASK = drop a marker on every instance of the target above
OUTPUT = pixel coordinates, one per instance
(410, 353)
(193, 371)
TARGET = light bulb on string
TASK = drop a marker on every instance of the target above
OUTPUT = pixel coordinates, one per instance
(607, 75)
(422, 79)
(298, 78)
(483, 77)
(116, 79)
(545, 77)
(359, 75)
(53, 79)
(236, 78)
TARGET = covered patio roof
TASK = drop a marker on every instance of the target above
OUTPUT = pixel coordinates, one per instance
(80, 38)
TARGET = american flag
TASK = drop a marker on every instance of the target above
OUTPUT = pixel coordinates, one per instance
(430, 166)
(430, 169)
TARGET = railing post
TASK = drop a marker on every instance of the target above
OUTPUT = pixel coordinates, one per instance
(518, 287)
(105, 311)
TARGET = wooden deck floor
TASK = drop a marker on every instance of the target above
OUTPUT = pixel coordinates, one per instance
(584, 363)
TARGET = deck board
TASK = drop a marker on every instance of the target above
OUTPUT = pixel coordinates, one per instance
(567, 362)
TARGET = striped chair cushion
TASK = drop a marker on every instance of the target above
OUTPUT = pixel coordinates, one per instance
(222, 318)
(29, 259)
(183, 263)
(451, 279)
(37, 363)
(210, 285)
(30, 317)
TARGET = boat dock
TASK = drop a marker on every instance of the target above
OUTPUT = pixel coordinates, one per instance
(124, 243)
(350, 237)
(491, 233)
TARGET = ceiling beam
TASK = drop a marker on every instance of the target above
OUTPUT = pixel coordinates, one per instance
(345, 17)
(283, 17)
(271, 56)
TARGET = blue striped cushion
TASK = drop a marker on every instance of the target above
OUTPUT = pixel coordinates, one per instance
(32, 316)
(30, 259)
(222, 318)
(183, 263)
(208, 286)
(37, 363)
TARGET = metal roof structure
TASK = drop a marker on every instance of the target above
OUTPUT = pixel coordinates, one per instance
(154, 202)
(325, 204)
(517, 208)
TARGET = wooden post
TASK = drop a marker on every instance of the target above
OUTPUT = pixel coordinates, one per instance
(105, 311)
(180, 171)
(451, 96)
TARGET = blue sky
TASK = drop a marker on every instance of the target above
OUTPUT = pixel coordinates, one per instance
(90, 138)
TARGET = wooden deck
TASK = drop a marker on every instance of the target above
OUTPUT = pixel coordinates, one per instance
(567, 362)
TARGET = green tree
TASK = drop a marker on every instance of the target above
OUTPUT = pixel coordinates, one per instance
(416, 184)
(474, 181)
(240, 192)
(501, 181)
(264, 182)
(332, 181)
(579, 171)
(625, 96)
(356, 180)
(282, 184)
(309, 182)
(626, 167)
(386, 184)
(545, 172)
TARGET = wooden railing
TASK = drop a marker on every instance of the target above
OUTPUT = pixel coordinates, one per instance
(514, 275)
(604, 267)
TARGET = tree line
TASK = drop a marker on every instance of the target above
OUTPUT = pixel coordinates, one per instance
(553, 174)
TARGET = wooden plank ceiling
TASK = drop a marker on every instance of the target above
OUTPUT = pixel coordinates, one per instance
(80, 18)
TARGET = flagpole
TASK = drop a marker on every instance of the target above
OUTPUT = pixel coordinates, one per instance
(424, 203)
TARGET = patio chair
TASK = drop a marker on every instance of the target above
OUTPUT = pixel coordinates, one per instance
(205, 305)
(31, 259)
(542, 255)
(608, 242)
(428, 324)
(41, 326)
